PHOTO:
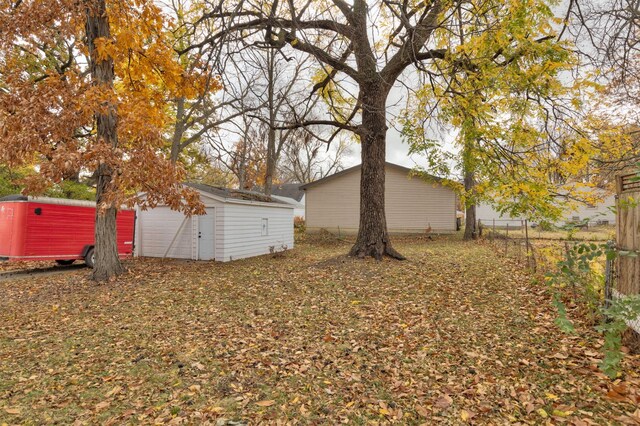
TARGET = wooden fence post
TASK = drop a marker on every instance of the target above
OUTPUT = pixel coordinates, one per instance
(608, 277)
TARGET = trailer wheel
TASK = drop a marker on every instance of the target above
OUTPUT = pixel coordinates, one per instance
(65, 262)
(90, 258)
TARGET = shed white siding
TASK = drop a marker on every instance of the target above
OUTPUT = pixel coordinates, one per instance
(243, 235)
(237, 230)
(412, 205)
(158, 229)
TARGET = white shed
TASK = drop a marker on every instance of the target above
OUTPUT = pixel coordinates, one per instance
(237, 224)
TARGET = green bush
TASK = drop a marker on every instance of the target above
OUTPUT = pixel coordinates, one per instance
(9, 185)
(7, 181)
(72, 190)
(580, 277)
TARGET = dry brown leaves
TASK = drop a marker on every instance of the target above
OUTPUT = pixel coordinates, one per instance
(454, 335)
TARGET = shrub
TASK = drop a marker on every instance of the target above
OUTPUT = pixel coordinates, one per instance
(545, 225)
(299, 223)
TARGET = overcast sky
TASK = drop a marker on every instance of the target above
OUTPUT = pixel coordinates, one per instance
(397, 149)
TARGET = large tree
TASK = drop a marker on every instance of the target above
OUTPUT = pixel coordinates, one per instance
(270, 92)
(607, 38)
(85, 86)
(306, 157)
(372, 44)
(97, 27)
(197, 117)
(507, 97)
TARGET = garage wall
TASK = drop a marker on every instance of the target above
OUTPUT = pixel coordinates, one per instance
(334, 203)
(412, 205)
(243, 230)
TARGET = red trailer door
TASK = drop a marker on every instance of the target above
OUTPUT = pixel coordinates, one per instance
(6, 229)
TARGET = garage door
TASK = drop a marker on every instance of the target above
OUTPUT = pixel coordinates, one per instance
(164, 233)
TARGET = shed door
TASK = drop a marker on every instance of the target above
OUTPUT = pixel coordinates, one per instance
(164, 233)
(206, 240)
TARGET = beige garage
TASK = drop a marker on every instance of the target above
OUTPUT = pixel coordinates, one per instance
(413, 205)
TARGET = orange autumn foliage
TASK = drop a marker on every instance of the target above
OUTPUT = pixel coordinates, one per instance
(48, 104)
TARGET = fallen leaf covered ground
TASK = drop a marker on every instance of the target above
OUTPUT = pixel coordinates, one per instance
(453, 335)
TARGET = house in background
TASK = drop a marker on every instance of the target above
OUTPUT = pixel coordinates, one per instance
(292, 194)
(412, 205)
(237, 224)
(601, 213)
(488, 215)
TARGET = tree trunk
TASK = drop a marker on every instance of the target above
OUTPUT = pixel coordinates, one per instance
(241, 178)
(271, 142)
(470, 224)
(107, 262)
(470, 230)
(373, 237)
(271, 161)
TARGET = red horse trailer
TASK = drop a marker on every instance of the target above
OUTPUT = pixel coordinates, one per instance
(55, 229)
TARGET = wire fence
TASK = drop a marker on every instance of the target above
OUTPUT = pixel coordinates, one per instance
(537, 248)
(519, 249)
(515, 246)
(541, 256)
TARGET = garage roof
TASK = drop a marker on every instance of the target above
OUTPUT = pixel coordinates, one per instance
(235, 194)
(358, 167)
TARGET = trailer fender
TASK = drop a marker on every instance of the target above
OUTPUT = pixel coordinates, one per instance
(85, 250)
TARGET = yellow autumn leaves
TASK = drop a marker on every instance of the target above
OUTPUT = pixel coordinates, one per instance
(505, 93)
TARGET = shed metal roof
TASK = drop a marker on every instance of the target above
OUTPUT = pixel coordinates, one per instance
(235, 194)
